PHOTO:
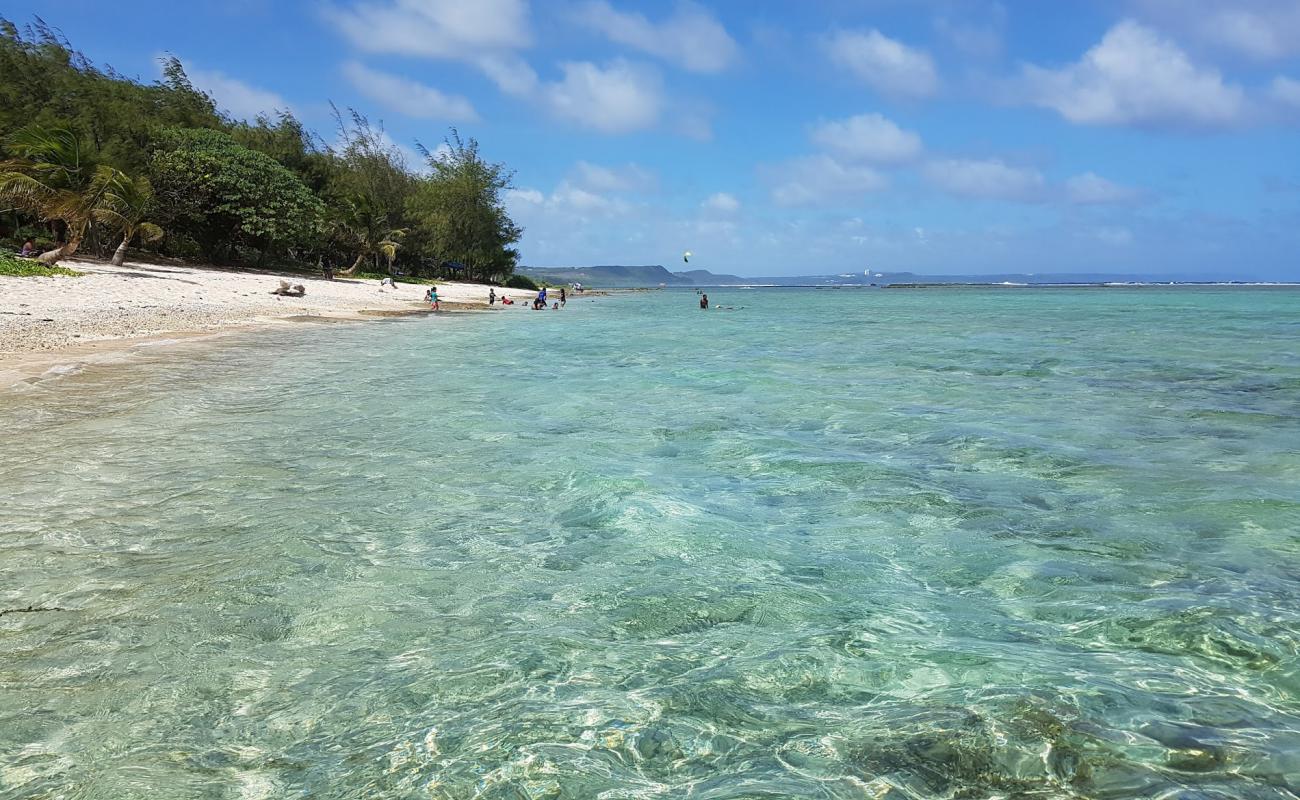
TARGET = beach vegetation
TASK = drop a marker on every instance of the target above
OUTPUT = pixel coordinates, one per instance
(226, 195)
(127, 206)
(521, 281)
(458, 212)
(50, 179)
(231, 191)
(31, 268)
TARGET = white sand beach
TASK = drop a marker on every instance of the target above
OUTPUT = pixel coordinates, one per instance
(45, 321)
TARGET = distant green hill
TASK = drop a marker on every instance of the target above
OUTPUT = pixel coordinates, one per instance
(629, 277)
(702, 277)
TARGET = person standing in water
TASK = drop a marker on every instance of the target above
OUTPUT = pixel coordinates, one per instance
(563, 297)
(704, 302)
(492, 296)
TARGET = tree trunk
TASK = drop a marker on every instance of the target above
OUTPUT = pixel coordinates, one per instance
(51, 257)
(352, 270)
(119, 255)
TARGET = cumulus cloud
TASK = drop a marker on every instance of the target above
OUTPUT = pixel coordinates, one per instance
(1134, 76)
(566, 203)
(509, 72)
(618, 98)
(625, 178)
(529, 196)
(589, 190)
(434, 28)
(868, 137)
(1092, 189)
(820, 179)
(989, 179)
(1259, 29)
(1285, 91)
(691, 38)
(406, 96)
(567, 195)
(241, 100)
(722, 202)
(883, 63)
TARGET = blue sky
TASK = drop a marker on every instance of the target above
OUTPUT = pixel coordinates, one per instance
(778, 138)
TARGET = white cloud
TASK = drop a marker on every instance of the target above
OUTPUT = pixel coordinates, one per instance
(567, 195)
(626, 178)
(989, 179)
(618, 98)
(722, 202)
(406, 96)
(1092, 189)
(1134, 76)
(510, 73)
(820, 179)
(1286, 91)
(529, 196)
(434, 28)
(568, 202)
(883, 63)
(1259, 29)
(868, 137)
(691, 38)
(240, 99)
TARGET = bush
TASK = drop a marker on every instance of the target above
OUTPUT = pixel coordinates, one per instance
(27, 268)
(518, 281)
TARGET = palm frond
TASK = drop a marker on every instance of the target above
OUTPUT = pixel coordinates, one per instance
(25, 192)
(59, 147)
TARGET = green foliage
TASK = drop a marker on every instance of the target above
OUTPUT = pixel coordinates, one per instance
(368, 193)
(126, 205)
(521, 281)
(50, 180)
(228, 190)
(225, 194)
(458, 213)
(29, 268)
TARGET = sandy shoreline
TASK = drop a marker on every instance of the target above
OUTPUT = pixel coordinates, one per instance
(49, 322)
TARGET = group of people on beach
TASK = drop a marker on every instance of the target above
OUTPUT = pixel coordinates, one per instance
(540, 302)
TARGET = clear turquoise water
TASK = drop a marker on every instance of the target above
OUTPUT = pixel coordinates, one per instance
(898, 544)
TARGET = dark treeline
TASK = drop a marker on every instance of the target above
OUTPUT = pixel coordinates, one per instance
(96, 162)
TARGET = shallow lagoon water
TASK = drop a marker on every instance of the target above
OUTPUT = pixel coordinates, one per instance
(833, 544)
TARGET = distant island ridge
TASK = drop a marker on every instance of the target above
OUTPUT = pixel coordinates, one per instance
(656, 275)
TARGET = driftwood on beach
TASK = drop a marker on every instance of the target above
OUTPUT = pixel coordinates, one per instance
(285, 290)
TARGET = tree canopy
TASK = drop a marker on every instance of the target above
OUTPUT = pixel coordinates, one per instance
(210, 187)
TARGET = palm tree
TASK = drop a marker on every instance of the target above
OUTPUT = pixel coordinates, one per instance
(126, 205)
(50, 180)
(388, 247)
(363, 224)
